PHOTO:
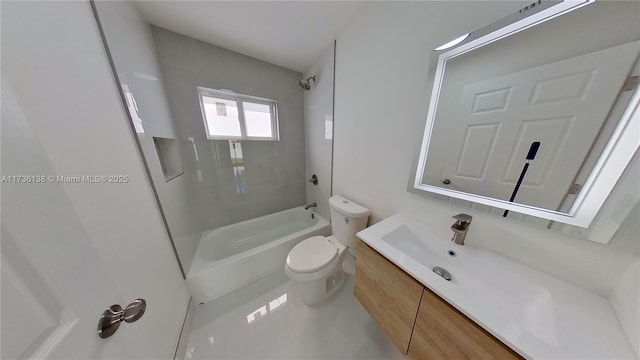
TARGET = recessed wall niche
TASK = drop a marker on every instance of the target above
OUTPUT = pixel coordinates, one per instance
(169, 157)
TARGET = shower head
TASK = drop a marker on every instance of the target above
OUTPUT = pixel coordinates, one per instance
(306, 84)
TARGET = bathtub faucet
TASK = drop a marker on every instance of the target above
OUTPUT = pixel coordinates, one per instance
(313, 204)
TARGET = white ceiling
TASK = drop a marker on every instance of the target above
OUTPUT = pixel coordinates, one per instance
(292, 34)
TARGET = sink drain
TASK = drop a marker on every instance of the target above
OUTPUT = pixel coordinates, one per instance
(452, 253)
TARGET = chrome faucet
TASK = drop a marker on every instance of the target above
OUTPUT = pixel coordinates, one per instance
(460, 228)
(313, 204)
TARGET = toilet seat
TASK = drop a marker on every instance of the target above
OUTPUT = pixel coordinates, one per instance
(311, 255)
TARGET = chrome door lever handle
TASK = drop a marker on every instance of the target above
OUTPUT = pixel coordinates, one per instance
(112, 317)
(134, 311)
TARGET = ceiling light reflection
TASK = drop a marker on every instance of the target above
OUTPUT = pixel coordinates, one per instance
(262, 311)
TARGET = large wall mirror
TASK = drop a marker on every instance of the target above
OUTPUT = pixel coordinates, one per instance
(537, 113)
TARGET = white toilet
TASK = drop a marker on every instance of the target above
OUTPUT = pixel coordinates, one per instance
(316, 263)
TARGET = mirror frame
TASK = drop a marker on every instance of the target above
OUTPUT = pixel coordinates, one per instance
(615, 157)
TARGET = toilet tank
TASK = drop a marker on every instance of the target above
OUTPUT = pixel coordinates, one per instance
(347, 218)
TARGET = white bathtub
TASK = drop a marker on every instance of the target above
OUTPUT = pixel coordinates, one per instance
(232, 256)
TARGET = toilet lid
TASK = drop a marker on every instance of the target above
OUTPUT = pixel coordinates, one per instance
(311, 255)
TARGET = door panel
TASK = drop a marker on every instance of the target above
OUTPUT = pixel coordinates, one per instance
(476, 150)
(37, 319)
(564, 87)
(493, 100)
(552, 133)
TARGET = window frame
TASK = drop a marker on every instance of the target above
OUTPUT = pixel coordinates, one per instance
(239, 98)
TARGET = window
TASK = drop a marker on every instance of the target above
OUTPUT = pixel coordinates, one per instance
(231, 116)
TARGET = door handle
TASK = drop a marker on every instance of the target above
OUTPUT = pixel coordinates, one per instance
(112, 317)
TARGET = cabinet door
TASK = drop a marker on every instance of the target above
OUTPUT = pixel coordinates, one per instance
(441, 332)
(389, 295)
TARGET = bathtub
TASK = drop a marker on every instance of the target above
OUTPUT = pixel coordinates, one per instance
(232, 256)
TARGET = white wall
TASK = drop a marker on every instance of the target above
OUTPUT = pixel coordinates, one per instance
(380, 106)
(54, 62)
(625, 300)
(318, 131)
(132, 50)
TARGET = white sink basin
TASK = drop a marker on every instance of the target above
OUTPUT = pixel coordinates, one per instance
(474, 270)
(536, 314)
(419, 247)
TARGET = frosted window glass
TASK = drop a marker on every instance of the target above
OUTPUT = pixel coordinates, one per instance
(257, 119)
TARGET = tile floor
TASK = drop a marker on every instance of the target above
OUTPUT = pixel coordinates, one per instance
(267, 320)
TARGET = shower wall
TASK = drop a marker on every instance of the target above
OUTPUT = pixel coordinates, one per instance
(241, 180)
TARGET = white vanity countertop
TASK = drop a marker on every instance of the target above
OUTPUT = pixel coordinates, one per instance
(537, 315)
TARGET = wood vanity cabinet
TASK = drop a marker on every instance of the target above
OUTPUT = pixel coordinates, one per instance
(389, 294)
(420, 323)
(442, 332)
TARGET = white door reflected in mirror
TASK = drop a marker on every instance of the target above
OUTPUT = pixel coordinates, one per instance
(523, 120)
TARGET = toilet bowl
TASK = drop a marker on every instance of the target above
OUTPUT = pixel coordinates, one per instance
(315, 264)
